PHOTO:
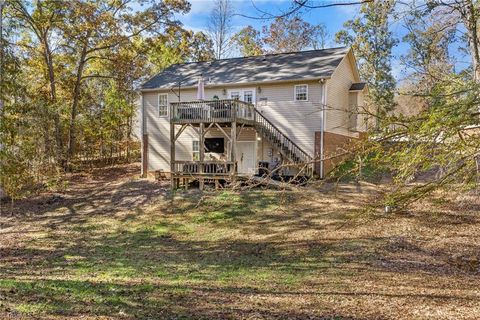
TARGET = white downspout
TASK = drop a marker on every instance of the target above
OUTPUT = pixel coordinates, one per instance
(322, 128)
(142, 132)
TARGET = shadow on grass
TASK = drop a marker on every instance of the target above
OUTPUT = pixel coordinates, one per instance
(142, 301)
(233, 204)
(151, 273)
(158, 271)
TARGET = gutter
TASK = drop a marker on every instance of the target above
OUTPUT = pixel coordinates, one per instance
(236, 84)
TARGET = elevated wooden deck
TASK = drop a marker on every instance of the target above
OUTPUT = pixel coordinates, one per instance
(226, 115)
(214, 111)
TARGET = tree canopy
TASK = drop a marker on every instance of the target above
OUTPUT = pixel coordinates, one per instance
(284, 34)
(70, 71)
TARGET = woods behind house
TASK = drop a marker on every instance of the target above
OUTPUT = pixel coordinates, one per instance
(70, 70)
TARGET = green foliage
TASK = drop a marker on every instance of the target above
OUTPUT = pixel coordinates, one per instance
(178, 45)
(248, 41)
(284, 34)
(367, 166)
(438, 148)
(69, 77)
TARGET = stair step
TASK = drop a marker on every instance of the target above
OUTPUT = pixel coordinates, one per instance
(275, 137)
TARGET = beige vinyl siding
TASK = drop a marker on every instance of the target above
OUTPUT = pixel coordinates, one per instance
(297, 119)
(265, 151)
(337, 120)
(364, 121)
(158, 129)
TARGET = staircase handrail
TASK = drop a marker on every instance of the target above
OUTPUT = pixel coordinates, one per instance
(303, 152)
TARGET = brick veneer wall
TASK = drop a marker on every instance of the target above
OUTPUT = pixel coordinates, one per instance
(333, 144)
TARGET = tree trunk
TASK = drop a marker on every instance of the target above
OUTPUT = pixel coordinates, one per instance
(469, 11)
(47, 54)
(1, 66)
(76, 98)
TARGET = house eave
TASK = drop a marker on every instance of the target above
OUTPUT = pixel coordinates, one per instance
(356, 90)
(236, 84)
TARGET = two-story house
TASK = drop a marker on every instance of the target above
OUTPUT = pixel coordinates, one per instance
(233, 117)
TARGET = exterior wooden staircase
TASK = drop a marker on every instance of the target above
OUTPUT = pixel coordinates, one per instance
(229, 112)
(289, 149)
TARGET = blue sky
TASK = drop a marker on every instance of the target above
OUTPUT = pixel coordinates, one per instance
(333, 18)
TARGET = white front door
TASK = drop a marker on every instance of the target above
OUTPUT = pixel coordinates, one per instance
(245, 154)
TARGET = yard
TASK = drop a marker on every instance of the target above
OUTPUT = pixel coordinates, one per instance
(113, 246)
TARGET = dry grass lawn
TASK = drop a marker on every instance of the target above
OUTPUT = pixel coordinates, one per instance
(113, 246)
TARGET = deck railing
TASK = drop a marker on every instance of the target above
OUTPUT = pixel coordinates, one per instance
(226, 110)
(211, 168)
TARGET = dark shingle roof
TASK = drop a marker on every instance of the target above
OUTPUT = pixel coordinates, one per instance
(272, 67)
(358, 86)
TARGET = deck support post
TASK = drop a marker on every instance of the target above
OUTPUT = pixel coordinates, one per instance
(202, 116)
(201, 154)
(233, 147)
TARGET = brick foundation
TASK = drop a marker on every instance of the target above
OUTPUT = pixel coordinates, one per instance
(334, 145)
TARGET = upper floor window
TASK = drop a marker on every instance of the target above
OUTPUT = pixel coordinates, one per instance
(162, 105)
(248, 96)
(301, 92)
(235, 95)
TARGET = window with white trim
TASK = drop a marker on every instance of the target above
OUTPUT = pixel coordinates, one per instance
(195, 150)
(235, 95)
(301, 92)
(245, 94)
(248, 96)
(162, 105)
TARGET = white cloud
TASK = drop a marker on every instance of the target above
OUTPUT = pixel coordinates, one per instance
(201, 6)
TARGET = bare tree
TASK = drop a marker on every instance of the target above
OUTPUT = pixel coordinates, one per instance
(220, 27)
(298, 6)
(321, 37)
(469, 14)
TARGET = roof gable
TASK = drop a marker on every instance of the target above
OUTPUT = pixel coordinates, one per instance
(274, 67)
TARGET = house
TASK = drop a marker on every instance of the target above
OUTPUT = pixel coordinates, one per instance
(254, 114)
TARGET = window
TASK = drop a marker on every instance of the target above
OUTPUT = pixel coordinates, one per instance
(301, 92)
(162, 105)
(248, 96)
(195, 150)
